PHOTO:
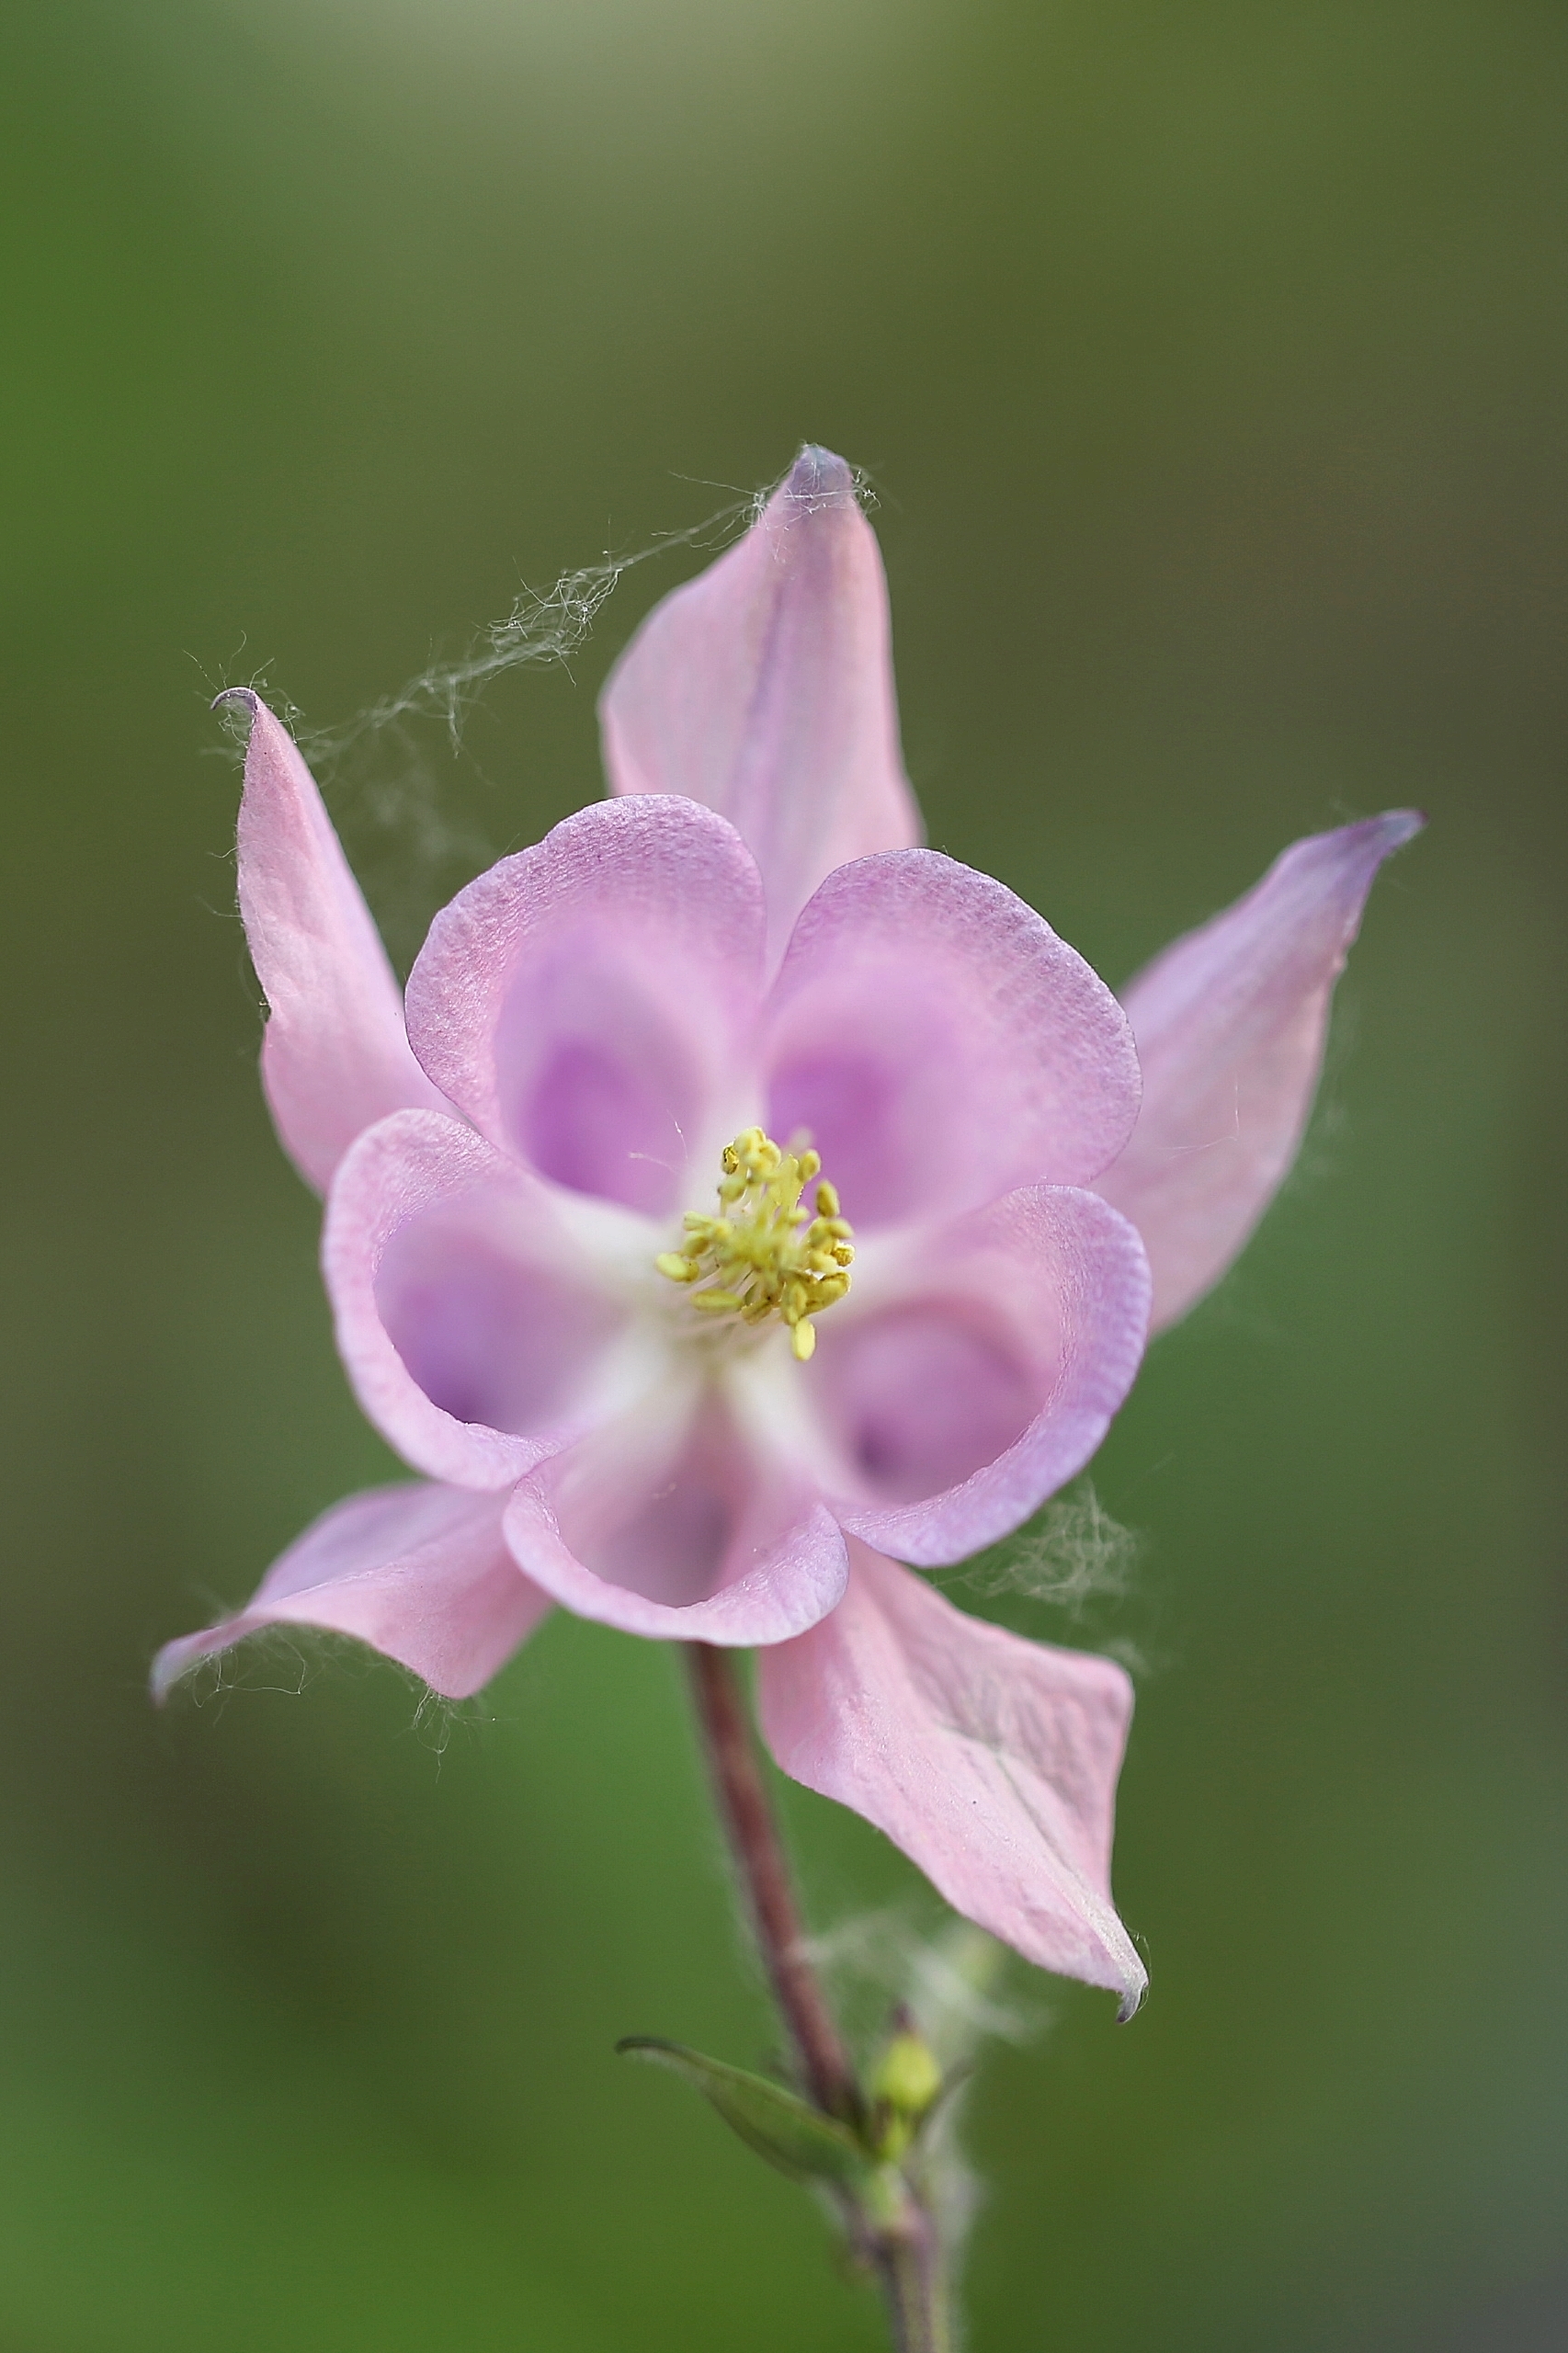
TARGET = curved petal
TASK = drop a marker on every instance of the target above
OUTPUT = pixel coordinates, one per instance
(990, 1760)
(964, 1386)
(764, 689)
(940, 1044)
(1230, 1023)
(420, 1573)
(335, 1057)
(471, 1322)
(668, 1523)
(582, 1002)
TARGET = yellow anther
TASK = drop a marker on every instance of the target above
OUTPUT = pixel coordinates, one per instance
(765, 1255)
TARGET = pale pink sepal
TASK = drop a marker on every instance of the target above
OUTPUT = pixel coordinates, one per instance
(335, 1056)
(1230, 1022)
(764, 689)
(420, 1573)
(990, 1760)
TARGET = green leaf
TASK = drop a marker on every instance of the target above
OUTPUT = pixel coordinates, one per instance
(797, 2138)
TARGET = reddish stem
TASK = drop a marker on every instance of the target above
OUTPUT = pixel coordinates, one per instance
(899, 2241)
(759, 1859)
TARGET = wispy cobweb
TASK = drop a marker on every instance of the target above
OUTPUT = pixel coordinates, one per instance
(1070, 1553)
(413, 842)
(545, 627)
(285, 1662)
(951, 1978)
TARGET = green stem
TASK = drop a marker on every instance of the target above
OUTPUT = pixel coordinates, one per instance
(909, 2266)
(900, 2245)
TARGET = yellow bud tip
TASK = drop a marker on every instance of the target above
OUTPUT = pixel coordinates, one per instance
(907, 2075)
(680, 1269)
(803, 1338)
(827, 1195)
(716, 1302)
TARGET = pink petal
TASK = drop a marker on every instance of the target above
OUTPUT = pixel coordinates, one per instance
(940, 1045)
(1230, 1022)
(419, 1573)
(471, 1324)
(335, 1057)
(991, 1761)
(960, 1388)
(667, 1524)
(764, 689)
(582, 1001)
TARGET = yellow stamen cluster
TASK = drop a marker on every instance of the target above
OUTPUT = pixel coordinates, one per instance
(765, 1253)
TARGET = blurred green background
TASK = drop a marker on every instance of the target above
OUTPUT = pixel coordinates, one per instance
(1209, 361)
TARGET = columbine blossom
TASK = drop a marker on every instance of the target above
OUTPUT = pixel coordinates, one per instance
(745, 1200)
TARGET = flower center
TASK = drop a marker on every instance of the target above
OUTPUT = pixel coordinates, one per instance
(763, 1253)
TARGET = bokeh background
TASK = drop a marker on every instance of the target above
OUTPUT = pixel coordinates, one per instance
(1209, 362)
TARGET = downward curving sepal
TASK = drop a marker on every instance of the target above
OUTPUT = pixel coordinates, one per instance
(335, 1057)
(992, 1761)
(764, 689)
(420, 1573)
(1230, 1022)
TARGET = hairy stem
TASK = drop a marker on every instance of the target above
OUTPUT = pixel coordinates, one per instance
(908, 2264)
(759, 1858)
(899, 2241)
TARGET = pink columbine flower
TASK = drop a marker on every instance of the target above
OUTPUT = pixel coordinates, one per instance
(744, 1199)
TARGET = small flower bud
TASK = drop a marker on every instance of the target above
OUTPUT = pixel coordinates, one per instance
(906, 2075)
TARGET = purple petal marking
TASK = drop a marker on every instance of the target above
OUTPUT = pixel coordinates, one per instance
(667, 1524)
(469, 1323)
(940, 1044)
(335, 1057)
(582, 1001)
(420, 1573)
(764, 689)
(981, 1374)
(1230, 1021)
(990, 1760)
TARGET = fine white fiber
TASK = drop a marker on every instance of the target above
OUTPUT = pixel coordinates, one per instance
(1070, 1553)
